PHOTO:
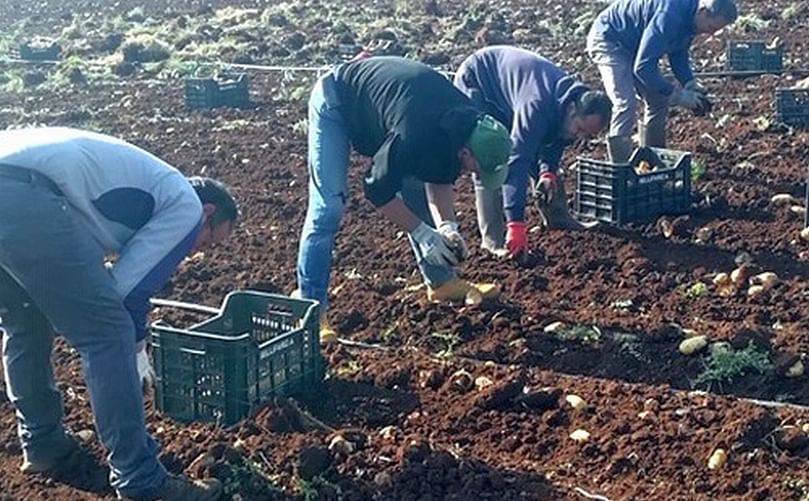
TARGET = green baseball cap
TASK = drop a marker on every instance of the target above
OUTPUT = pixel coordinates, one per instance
(491, 145)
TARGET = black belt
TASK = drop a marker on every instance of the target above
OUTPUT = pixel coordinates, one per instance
(29, 176)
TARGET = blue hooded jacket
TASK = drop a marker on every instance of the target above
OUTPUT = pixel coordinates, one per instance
(650, 29)
(531, 93)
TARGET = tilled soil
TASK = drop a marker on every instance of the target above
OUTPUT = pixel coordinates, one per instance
(416, 427)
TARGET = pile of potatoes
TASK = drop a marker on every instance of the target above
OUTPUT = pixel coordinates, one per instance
(744, 277)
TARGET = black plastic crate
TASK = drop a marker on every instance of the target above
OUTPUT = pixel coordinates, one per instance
(40, 50)
(258, 346)
(224, 90)
(792, 106)
(754, 56)
(617, 194)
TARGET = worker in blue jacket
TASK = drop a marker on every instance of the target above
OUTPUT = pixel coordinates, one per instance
(627, 41)
(546, 109)
(69, 199)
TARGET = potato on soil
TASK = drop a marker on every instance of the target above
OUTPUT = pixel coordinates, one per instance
(717, 459)
(693, 345)
(783, 199)
(576, 402)
(461, 381)
(580, 436)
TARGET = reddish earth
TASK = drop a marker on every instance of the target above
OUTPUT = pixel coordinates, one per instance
(417, 435)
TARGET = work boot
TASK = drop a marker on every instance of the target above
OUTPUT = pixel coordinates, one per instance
(177, 488)
(619, 149)
(457, 289)
(72, 459)
(556, 214)
(653, 135)
(327, 332)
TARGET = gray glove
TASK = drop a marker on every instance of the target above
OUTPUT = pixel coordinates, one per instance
(435, 248)
(685, 98)
(695, 86)
(450, 231)
(146, 372)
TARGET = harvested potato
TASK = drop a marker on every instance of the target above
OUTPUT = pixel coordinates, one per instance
(796, 370)
(575, 401)
(666, 228)
(693, 345)
(728, 290)
(704, 235)
(717, 459)
(755, 291)
(482, 382)
(767, 280)
(740, 275)
(722, 279)
(798, 210)
(784, 199)
(805, 234)
(643, 167)
(805, 428)
(580, 436)
(461, 381)
(554, 327)
(473, 297)
(340, 446)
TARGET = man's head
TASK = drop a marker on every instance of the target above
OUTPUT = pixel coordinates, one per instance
(219, 211)
(486, 152)
(713, 15)
(587, 116)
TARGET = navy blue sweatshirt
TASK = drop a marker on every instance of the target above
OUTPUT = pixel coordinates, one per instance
(531, 93)
(650, 29)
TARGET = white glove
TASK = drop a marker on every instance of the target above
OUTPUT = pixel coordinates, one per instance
(146, 372)
(685, 98)
(434, 247)
(450, 231)
(695, 86)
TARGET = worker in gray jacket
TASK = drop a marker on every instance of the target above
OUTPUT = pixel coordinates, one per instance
(68, 199)
(627, 41)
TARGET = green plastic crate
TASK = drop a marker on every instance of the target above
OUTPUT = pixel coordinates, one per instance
(258, 346)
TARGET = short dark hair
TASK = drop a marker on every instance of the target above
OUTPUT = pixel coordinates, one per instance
(594, 102)
(726, 9)
(211, 191)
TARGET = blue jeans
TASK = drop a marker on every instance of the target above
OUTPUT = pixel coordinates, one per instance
(52, 278)
(329, 149)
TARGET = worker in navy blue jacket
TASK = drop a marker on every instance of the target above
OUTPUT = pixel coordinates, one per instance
(546, 110)
(68, 198)
(627, 41)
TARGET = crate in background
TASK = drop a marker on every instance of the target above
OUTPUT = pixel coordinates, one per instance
(231, 90)
(258, 347)
(754, 56)
(792, 106)
(40, 49)
(617, 194)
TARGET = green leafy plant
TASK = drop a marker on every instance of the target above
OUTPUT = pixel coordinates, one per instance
(724, 364)
(792, 10)
(799, 486)
(390, 334)
(580, 333)
(13, 82)
(748, 23)
(697, 171)
(310, 489)
(630, 345)
(348, 369)
(697, 291)
(449, 342)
